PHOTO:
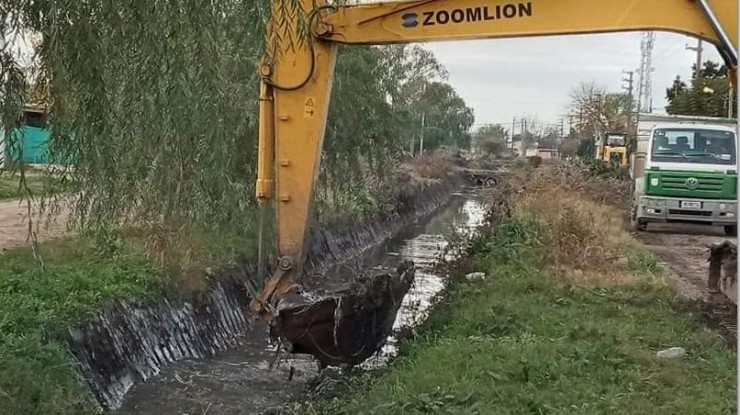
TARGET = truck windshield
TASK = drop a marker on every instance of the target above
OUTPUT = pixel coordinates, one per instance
(693, 145)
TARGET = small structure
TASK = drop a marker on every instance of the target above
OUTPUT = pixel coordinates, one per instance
(29, 141)
(548, 154)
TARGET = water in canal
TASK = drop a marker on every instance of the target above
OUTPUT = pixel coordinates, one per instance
(253, 377)
(463, 214)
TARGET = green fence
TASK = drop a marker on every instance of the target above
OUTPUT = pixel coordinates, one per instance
(34, 143)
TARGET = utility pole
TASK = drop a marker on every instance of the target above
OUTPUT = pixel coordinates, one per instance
(522, 145)
(698, 49)
(562, 129)
(730, 95)
(421, 144)
(570, 123)
(513, 129)
(629, 89)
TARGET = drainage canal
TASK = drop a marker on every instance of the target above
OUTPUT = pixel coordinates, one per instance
(252, 377)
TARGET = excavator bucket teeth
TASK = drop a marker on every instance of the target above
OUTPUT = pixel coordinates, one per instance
(347, 327)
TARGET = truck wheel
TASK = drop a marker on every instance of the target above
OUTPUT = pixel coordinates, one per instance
(637, 225)
(731, 230)
(641, 225)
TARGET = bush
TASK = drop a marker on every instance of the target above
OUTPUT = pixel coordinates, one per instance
(579, 219)
(534, 161)
(577, 233)
(434, 164)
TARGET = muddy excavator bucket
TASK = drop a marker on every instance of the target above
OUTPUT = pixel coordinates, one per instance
(345, 327)
(723, 270)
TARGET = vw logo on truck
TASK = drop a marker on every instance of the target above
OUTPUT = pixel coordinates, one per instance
(692, 183)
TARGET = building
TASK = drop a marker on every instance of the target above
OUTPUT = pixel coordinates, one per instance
(548, 154)
(33, 138)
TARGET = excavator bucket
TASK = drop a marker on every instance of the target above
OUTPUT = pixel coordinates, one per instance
(723, 270)
(346, 327)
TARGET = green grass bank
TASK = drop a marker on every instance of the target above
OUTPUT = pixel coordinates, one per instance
(37, 305)
(524, 341)
(568, 320)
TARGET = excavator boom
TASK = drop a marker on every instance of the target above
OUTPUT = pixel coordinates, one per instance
(298, 70)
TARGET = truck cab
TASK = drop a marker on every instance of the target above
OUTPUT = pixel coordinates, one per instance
(688, 174)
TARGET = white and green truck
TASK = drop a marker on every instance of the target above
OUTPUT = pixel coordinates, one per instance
(684, 170)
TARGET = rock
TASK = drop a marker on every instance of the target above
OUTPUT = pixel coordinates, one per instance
(672, 353)
(474, 276)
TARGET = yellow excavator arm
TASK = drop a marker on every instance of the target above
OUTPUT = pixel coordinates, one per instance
(298, 69)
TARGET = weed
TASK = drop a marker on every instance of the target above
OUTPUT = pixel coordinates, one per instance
(577, 232)
(600, 168)
(644, 262)
(526, 341)
(433, 164)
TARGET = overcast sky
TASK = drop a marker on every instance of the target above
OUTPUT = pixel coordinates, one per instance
(506, 78)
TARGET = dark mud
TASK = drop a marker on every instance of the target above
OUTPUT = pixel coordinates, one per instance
(253, 376)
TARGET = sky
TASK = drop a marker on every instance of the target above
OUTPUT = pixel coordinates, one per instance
(506, 78)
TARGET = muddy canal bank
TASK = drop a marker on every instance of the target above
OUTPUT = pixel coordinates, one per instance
(252, 377)
(133, 343)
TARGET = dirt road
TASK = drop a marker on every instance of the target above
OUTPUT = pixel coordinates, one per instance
(685, 251)
(684, 248)
(14, 230)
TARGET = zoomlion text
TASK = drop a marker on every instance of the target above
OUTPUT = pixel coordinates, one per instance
(477, 14)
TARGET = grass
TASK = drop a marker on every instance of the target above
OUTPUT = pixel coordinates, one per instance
(526, 341)
(37, 307)
(9, 186)
(187, 253)
(568, 321)
(531, 338)
(37, 182)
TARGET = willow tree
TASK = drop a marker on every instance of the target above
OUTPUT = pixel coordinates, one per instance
(153, 106)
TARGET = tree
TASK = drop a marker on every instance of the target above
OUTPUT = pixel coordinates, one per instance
(416, 85)
(677, 88)
(491, 138)
(599, 111)
(569, 146)
(707, 96)
(152, 103)
(550, 138)
(447, 120)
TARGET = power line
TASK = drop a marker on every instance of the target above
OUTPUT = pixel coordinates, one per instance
(508, 123)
